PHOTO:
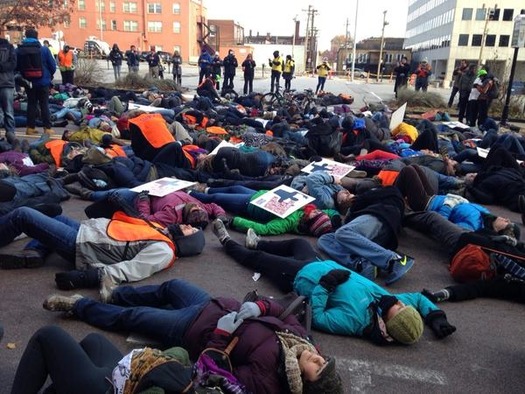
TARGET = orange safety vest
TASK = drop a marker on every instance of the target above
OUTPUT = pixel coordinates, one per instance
(55, 148)
(186, 149)
(387, 177)
(153, 128)
(65, 59)
(115, 151)
(128, 229)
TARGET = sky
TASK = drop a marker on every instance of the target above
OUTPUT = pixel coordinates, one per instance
(276, 17)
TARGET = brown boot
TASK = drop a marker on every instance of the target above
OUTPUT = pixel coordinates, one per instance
(31, 131)
(49, 131)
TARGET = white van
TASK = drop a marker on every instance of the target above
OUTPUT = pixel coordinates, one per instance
(96, 47)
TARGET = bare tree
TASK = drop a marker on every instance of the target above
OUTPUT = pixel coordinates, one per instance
(25, 13)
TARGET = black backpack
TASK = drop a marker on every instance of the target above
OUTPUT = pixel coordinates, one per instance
(30, 60)
(324, 140)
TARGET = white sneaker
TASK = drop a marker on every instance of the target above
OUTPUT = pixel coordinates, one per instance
(252, 239)
(106, 288)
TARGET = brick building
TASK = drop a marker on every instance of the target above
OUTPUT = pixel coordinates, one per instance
(166, 24)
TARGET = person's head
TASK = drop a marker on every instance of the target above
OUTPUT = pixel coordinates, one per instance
(66, 135)
(195, 215)
(66, 48)
(403, 323)
(31, 33)
(115, 47)
(469, 178)
(132, 47)
(176, 53)
(472, 69)
(230, 52)
(46, 43)
(482, 73)
(275, 53)
(319, 374)
(314, 221)
(451, 166)
(325, 59)
(188, 240)
(249, 56)
(463, 63)
(424, 62)
(343, 200)
(404, 60)
(152, 48)
(288, 57)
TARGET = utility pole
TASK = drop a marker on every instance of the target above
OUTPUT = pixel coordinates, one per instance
(313, 41)
(306, 38)
(381, 47)
(354, 47)
(488, 16)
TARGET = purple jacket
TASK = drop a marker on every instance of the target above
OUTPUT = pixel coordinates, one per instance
(256, 359)
(168, 209)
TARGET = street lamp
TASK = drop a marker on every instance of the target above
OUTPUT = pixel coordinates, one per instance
(381, 47)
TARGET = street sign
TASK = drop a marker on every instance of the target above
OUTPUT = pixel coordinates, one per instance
(518, 33)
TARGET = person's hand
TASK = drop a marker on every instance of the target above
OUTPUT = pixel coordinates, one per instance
(228, 324)
(437, 321)
(143, 195)
(249, 309)
(225, 219)
(334, 278)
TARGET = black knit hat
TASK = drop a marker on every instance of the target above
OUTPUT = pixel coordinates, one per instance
(187, 245)
(328, 383)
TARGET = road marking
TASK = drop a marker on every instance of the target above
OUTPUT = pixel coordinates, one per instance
(362, 372)
(379, 98)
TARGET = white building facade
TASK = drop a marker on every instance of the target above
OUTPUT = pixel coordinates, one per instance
(446, 31)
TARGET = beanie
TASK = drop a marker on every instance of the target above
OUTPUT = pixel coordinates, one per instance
(328, 382)
(315, 221)
(187, 245)
(406, 326)
(196, 217)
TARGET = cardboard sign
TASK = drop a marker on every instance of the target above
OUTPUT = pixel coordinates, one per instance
(397, 117)
(334, 168)
(163, 186)
(282, 201)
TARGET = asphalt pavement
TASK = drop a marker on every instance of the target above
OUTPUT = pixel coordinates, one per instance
(485, 355)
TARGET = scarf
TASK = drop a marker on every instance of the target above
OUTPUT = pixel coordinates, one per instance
(292, 347)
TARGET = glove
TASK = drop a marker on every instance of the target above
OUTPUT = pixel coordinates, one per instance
(225, 219)
(249, 309)
(437, 321)
(452, 200)
(334, 278)
(143, 195)
(228, 324)
(429, 295)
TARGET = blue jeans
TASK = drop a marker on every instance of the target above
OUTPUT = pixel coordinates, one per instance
(123, 194)
(57, 234)
(6, 105)
(163, 312)
(233, 199)
(60, 114)
(356, 239)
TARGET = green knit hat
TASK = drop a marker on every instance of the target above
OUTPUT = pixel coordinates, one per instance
(406, 326)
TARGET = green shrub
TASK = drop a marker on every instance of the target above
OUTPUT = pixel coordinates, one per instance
(420, 99)
(88, 72)
(134, 81)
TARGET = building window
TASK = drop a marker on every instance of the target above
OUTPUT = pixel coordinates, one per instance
(113, 25)
(176, 8)
(176, 27)
(463, 40)
(100, 6)
(66, 23)
(82, 23)
(480, 14)
(131, 26)
(112, 6)
(494, 14)
(476, 40)
(508, 13)
(155, 27)
(504, 41)
(129, 7)
(467, 14)
(154, 8)
(104, 27)
(81, 5)
(490, 40)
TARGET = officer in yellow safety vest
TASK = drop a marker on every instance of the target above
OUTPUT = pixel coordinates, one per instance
(289, 68)
(277, 68)
(322, 73)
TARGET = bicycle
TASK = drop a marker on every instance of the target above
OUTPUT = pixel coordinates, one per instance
(276, 99)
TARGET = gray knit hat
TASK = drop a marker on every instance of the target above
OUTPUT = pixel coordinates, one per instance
(328, 383)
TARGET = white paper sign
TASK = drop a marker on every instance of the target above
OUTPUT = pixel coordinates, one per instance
(334, 168)
(282, 201)
(224, 144)
(397, 117)
(163, 186)
(482, 152)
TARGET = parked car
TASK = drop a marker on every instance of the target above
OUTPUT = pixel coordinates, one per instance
(518, 88)
(358, 72)
(96, 48)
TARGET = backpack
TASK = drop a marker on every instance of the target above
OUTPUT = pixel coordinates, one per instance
(471, 263)
(324, 140)
(493, 92)
(30, 61)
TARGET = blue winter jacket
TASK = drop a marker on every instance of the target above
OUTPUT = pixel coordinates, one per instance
(320, 184)
(466, 215)
(48, 64)
(346, 310)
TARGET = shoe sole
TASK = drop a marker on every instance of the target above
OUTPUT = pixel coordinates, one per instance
(410, 265)
(8, 262)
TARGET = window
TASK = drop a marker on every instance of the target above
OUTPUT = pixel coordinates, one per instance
(131, 26)
(463, 40)
(508, 13)
(155, 27)
(490, 40)
(82, 23)
(480, 14)
(176, 27)
(81, 5)
(100, 6)
(113, 25)
(154, 8)
(176, 8)
(66, 23)
(112, 6)
(467, 14)
(504, 41)
(129, 7)
(476, 40)
(104, 27)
